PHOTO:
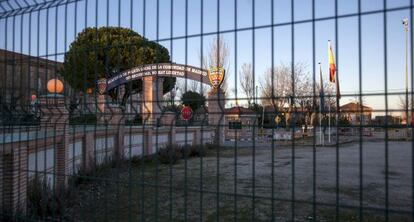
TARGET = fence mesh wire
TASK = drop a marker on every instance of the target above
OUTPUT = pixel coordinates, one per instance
(178, 110)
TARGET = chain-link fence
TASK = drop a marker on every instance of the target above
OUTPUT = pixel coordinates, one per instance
(202, 110)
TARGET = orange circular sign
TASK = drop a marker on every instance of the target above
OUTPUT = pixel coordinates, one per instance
(55, 86)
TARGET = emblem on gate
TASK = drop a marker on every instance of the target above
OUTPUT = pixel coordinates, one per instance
(186, 113)
(216, 76)
(101, 83)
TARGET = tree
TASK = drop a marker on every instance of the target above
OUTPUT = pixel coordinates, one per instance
(277, 87)
(294, 91)
(169, 97)
(191, 85)
(193, 99)
(362, 100)
(406, 110)
(104, 52)
(246, 82)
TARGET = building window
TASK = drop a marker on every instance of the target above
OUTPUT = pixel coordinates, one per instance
(39, 84)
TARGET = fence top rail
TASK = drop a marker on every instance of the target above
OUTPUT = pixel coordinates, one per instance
(26, 134)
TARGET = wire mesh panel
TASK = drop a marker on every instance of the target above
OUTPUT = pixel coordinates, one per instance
(203, 110)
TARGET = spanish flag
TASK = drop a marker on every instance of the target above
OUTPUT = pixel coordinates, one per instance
(333, 75)
(332, 67)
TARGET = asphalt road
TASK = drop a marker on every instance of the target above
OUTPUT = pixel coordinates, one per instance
(251, 183)
(383, 180)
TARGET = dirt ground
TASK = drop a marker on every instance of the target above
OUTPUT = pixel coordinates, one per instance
(294, 184)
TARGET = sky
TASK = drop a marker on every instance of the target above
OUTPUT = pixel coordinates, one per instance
(246, 27)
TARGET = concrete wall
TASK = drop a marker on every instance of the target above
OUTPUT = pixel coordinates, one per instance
(58, 155)
(74, 156)
(42, 161)
(133, 145)
(393, 134)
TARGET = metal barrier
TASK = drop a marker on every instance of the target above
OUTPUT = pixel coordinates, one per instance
(178, 110)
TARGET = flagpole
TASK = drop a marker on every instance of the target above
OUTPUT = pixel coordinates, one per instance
(405, 24)
(335, 80)
(320, 125)
(329, 122)
(337, 114)
(320, 106)
(338, 97)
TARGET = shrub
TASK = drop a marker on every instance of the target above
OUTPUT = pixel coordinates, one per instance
(210, 146)
(193, 151)
(44, 202)
(95, 170)
(29, 119)
(170, 154)
(344, 122)
(86, 119)
(137, 120)
(138, 160)
(23, 119)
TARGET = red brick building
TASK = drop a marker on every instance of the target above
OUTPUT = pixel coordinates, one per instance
(239, 123)
(22, 76)
(356, 113)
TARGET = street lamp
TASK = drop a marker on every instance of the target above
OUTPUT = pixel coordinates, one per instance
(263, 108)
(405, 24)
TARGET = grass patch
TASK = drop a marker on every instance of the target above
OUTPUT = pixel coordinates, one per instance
(329, 214)
(228, 213)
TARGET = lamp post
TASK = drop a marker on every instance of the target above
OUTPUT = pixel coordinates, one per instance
(405, 24)
(263, 110)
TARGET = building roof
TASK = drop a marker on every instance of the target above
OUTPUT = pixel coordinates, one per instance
(354, 107)
(238, 110)
(11, 58)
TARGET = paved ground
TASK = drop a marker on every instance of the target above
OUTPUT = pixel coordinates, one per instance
(303, 181)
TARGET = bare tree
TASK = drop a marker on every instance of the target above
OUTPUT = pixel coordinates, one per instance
(188, 85)
(246, 82)
(191, 85)
(287, 90)
(404, 110)
(277, 87)
(330, 96)
(170, 97)
(358, 100)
